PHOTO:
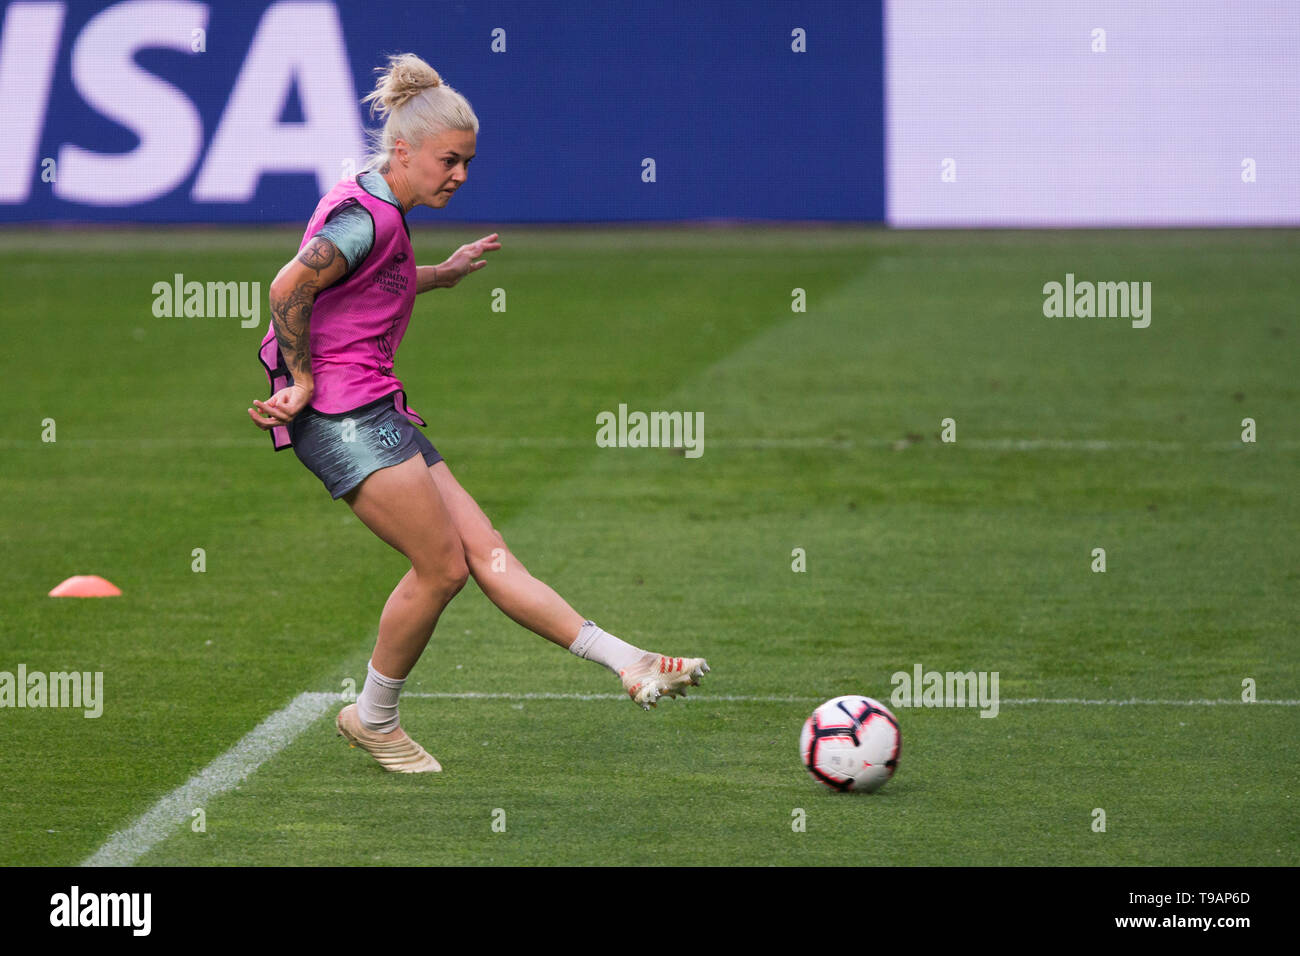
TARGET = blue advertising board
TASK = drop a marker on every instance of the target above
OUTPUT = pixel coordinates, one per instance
(180, 111)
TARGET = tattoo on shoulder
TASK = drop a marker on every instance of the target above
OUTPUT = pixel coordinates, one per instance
(319, 255)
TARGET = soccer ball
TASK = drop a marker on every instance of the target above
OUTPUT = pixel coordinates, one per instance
(851, 743)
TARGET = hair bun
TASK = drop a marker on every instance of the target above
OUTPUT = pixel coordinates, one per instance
(406, 76)
(414, 103)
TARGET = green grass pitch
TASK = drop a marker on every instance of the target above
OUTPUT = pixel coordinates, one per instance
(822, 432)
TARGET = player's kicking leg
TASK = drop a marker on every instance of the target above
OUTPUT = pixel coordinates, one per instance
(646, 676)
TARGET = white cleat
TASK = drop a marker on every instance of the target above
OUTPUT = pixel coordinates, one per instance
(655, 676)
(395, 751)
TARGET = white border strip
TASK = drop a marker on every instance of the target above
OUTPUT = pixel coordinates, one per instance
(258, 746)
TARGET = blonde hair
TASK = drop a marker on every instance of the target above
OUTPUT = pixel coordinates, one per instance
(413, 101)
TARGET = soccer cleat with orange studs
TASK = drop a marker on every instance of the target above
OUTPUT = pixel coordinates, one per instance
(655, 676)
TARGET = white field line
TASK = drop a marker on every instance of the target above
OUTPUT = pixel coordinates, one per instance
(258, 746)
(279, 730)
(1131, 701)
(798, 443)
(486, 695)
(703, 696)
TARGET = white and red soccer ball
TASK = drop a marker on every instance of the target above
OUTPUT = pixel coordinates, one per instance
(851, 743)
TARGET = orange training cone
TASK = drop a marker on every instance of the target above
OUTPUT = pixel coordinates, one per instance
(86, 585)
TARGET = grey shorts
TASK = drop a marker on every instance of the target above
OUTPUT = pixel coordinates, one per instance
(343, 450)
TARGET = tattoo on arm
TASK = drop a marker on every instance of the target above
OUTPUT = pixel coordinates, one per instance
(291, 318)
(318, 255)
(291, 310)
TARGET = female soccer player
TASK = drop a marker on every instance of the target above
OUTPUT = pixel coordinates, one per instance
(338, 313)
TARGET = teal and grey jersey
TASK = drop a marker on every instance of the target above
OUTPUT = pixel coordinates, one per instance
(350, 228)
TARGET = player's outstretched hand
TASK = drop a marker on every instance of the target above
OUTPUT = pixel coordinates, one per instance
(281, 408)
(461, 262)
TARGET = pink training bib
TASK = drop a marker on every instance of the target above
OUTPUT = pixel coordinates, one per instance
(357, 324)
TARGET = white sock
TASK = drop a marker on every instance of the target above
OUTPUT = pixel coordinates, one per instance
(593, 644)
(377, 705)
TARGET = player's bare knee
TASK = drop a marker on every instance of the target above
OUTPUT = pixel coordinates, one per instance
(442, 572)
(454, 574)
(444, 581)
